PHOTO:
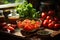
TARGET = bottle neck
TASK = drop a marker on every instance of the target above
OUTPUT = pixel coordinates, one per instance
(1, 13)
(13, 12)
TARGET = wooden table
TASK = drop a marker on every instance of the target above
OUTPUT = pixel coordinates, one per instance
(53, 33)
(8, 6)
(19, 36)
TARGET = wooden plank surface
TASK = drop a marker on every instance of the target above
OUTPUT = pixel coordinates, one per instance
(53, 33)
(5, 6)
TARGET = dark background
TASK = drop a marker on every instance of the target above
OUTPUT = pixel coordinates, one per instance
(36, 4)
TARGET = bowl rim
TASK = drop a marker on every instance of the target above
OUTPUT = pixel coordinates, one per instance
(42, 33)
(31, 19)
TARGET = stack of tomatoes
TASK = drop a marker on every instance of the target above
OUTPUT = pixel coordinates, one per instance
(50, 20)
(28, 24)
(7, 26)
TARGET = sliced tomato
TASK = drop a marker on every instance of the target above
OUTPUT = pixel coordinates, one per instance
(37, 22)
(27, 28)
(27, 21)
(19, 24)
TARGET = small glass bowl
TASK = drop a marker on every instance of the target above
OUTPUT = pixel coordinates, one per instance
(29, 19)
(43, 32)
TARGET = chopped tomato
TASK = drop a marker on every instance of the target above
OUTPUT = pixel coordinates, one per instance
(19, 24)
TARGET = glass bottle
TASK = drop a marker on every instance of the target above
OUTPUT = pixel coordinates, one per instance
(2, 18)
(13, 16)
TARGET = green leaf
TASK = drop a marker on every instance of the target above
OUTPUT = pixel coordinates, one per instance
(26, 10)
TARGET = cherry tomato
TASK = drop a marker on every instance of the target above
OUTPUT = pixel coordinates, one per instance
(51, 25)
(48, 17)
(10, 28)
(19, 24)
(51, 12)
(27, 28)
(56, 26)
(45, 23)
(50, 20)
(43, 15)
(13, 25)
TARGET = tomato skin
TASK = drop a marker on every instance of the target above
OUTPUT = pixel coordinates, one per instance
(51, 25)
(19, 24)
(48, 17)
(56, 26)
(28, 24)
(13, 25)
(10, 28)
(43, 15)
(50, 20)
(27, 21)
(45, 23)
(37, 22)
(51, 12)
(27, 28)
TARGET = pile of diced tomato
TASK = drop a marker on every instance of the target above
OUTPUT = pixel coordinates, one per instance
(28, 24)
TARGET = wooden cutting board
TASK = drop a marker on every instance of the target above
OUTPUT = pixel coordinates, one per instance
(53, 32)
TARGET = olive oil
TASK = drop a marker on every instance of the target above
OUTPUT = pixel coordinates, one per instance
(13, 17)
